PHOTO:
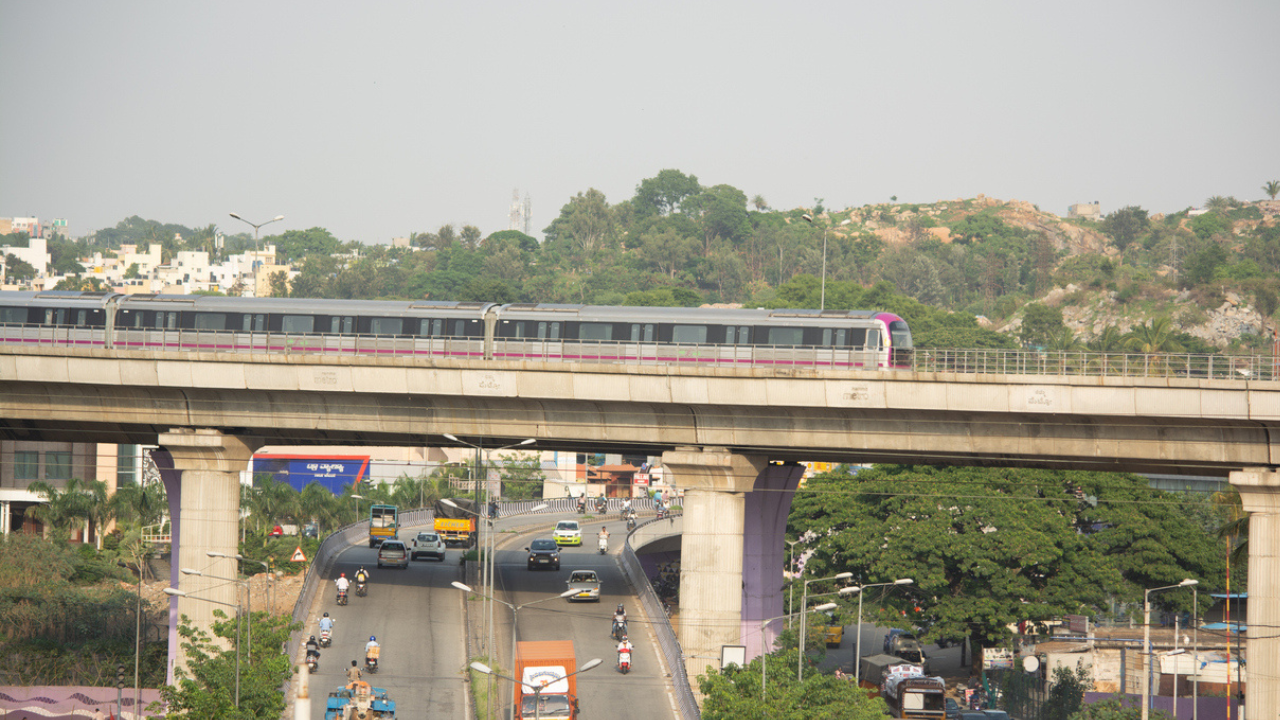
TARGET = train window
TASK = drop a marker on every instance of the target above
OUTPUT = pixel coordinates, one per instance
(13, 316)
(514, 329)
(211, 321)
(744, 335)
(386, 326)
(55, 317)
(842, 337)
(826, 337)
(82, 317)
(900, 334)
(459, 328)
(341, 325)
(693, 334)
(137, 320)
(857, 337)
(433, 328)
(728, 336)
(595, 331)
(548, 331)
(166, 321)
(786, 336)
(873, 338)
(642, 333)
(297, 323)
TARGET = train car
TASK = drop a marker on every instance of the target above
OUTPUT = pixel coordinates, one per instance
(851, 339)
(79, 319)
(281, 325)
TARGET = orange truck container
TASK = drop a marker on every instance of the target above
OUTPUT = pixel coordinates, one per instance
(548, 665)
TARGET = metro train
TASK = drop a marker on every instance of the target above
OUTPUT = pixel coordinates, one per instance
(852, 339)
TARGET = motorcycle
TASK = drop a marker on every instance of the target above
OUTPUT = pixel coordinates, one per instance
(582, 506)
(313, 662)
(371, 664)
(603, 545)
(342, 597)
(601, 505)
(361, 591)
(624, 661)
(326, 638)
(631, 523)
(662, 512)
(619, 630)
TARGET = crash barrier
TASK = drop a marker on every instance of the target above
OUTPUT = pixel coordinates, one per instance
(317, 576)
(662, 629)
(613, 506)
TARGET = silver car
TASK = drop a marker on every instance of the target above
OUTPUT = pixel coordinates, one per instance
(393, 553)
(587, 585)
(427, 544)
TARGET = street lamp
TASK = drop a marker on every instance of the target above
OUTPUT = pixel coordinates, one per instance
(1195, 650)
(270, 580)
(764, 655)
(256, 226)
(515, 609)
(804, 602)
(1146, 640)
(857, 652)
(791, 565)
(355, 504)
(179, 593)
(823, 302)
(247, 593)
(537, 689)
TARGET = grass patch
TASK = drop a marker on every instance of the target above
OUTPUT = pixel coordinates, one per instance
(480, 684)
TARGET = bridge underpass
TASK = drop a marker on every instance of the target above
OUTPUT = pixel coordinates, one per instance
(718, 431)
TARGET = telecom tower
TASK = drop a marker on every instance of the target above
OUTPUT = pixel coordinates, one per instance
(521, 215)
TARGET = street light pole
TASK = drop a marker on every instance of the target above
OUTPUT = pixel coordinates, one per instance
(1195, 651)
(857, 651)
(256, 226)
(248, 594)
(180, 593)
(826, 228)
(804, 615)
(1146, 641)
(537, 689)
(764, 654)
(355, 504)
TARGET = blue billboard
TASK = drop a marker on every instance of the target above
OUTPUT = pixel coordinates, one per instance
(333, 472)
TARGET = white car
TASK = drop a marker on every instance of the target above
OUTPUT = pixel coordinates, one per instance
(427, 544)
(567, 533)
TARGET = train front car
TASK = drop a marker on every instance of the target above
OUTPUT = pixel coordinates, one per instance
(65, 318)
(901, 350)
(296, 325)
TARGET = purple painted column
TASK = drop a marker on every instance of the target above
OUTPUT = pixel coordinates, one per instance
(172, 480)
(763, 555)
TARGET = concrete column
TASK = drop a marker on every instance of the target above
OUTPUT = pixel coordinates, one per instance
(1260, 494)
(207, 518)
(764, 554)
(715, 482)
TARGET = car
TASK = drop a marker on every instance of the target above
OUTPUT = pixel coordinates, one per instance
(393, 553)
(427, 544)
(996, 714)
(568, 532)
(544, 553)
(587, 584)
(973, 715)
(953, 709)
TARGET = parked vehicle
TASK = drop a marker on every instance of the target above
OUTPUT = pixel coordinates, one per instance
(393, 553)
(551, 666)
(427, 544)
(906, 646)
(456, 526)
(384, 522)
(587, 583)
(543, 553)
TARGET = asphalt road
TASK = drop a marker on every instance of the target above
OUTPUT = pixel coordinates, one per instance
(944, 662)
(417, 618)
(603, 692)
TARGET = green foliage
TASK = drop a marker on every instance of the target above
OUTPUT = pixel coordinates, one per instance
(1126, 225)
(19, 269)
(1209, 224)
(1112, 709)
(663, 193)
(206, 688)
(977, 542)
(1271, 188)
(736, 693)
(522, 476)
(1040, 323)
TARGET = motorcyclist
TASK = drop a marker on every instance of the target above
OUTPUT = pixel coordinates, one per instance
(582, 503)
(626, 507)
(372, 649)
(353, 672)
(624, 651)
(620, 618)
(362, 575)
(342, 582)
(326, 623)
(313, 648)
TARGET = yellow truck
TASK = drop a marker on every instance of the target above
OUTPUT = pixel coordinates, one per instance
(456, 524)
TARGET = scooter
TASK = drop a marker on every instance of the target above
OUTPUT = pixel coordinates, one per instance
(662, 512)
(631, 523)
(604, 545)
(582, 506)
(371, 664)
(361, 591)
(313, 662)
(342, 597)
(326, 638)
(619, 630)
(624, 662)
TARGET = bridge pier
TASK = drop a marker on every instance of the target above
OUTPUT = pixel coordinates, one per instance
(735, 515)
(1260, 494)
(203, 484)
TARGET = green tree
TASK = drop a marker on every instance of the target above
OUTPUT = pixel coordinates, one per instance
(1203, 264)
(522, 476)
(662, 194)
(1271, 188)
(1112, 709)
(1126, 225)
(206, 688)
(735, 693)
(1066, 694)
(279, 282)
(1040, 323)
(64, 509)
(18, 269)
(1156, 336)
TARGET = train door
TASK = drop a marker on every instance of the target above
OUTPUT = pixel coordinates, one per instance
(340, 335)
(550, 334)
(737, 349)
(642, 344)
(252, 333)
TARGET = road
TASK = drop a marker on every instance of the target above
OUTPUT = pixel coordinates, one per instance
(944, 662)
(417, 616)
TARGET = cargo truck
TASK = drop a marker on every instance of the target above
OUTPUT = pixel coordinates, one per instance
(873, 669)
(383, 524)
(456, 525)
(548, 666)
(913, 696)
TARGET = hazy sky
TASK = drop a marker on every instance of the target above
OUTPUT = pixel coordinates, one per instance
(378, 119)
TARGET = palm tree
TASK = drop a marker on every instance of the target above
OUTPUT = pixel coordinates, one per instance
(318, 504)
(1272, 188)
(1218, 203)
(98, 508)
(1155, 337)
(63, 508)
(1237, 524)
(1109, 341)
